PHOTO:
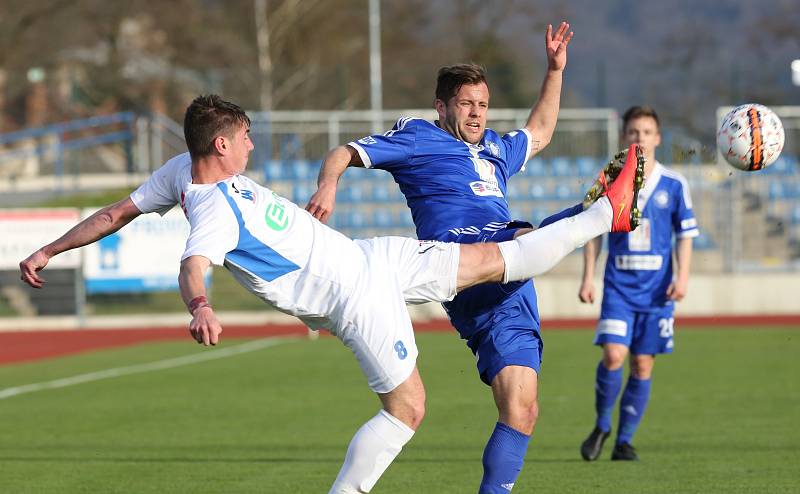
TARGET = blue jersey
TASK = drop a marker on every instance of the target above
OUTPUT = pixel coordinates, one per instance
(456, 193)
(639, 266)
(453, 188)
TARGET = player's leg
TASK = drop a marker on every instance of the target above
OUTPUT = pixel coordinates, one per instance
(614, 333)
(606, 177)
(540, 250)
(516, 397)
(378, 442)
(379, 333)
(653, 334)
(508, 358)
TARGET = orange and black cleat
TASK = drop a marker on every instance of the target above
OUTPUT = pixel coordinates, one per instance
(623, 193)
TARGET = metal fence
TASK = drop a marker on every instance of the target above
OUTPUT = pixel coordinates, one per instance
(750, 221)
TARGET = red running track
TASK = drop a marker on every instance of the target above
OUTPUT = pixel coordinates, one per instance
(26, 346)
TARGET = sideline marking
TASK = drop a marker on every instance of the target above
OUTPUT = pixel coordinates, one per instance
(170, 363)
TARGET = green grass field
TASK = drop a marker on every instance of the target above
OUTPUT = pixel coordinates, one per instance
(723, 418)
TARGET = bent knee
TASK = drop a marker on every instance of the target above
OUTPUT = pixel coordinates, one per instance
(521, 416)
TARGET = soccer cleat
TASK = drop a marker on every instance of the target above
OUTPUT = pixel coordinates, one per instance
(623, 194)
(606, 176)
(624, 452)
(593, 445)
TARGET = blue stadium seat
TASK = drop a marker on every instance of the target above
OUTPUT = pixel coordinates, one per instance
(536, 167)
(301, 193)
(564, 191)
(776, 189)
(381, 192)
(537, 191)
(562, 166)
(795, 214)
(273, 170)
(588, 166)
(382, 218)
(537, 215)
(404, 219)
(352, 191)
(298, 169)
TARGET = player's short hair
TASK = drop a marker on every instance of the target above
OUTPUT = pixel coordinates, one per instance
(452, 77)
(208, 117)
(635, 112)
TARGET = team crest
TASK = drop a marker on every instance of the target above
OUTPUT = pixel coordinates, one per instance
(493, 148)
(661, 198)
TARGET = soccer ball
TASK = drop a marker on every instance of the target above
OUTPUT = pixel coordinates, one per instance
(750, 137)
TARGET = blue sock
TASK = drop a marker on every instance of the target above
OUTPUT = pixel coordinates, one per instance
(631, 408)
(569, 212)
(502, 459)
(606, 389)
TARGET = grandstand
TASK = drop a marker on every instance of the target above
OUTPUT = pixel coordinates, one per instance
(750, 222)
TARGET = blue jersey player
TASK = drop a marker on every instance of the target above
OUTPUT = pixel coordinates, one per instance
(640, 290)
(453, 173)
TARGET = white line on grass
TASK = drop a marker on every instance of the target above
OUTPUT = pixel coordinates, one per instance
(141, 368)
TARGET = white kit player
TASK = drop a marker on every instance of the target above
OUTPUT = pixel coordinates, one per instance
(356, 289)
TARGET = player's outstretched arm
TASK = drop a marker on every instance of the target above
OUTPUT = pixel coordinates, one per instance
(333, 166)
(683, 257)
(100, 224)
(544, 114)
(204, 327)
(590, 252)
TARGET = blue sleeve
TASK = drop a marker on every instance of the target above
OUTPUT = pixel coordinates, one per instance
(517, 145)
(393, 148)
(684, 222)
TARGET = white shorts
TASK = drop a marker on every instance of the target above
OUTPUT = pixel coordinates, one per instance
(376, 325)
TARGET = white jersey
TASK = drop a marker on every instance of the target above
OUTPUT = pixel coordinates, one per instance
(274, 248)
(356, 289)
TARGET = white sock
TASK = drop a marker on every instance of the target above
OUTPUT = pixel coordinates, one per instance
(372, 449)
(539, 251)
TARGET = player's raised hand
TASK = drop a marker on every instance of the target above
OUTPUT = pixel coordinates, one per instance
(556, 46)
(205, 328)
(322, 202)
(586, 293)
(30, 267)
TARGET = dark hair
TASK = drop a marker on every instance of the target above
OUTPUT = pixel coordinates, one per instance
(207, 118)
(452, 77)
(635, 112)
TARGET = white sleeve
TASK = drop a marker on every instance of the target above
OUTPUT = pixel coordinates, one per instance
(158, 193)
(214, 229)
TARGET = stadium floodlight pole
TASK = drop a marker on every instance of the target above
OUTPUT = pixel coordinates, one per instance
(375, 82)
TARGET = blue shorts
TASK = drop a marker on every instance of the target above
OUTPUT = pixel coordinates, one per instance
(644, 333)
(500, 322)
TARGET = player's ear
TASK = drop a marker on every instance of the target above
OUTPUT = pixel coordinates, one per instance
(221, 144)
(441, 106)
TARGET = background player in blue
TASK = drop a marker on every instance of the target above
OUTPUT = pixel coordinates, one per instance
(640, 290)
(453, 173)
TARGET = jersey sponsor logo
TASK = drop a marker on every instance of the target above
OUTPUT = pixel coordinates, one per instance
(485, 189)
(276, 217)
(661, 199)
(638, 262)
(485, 170)
(639, 239)
(367, 140)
